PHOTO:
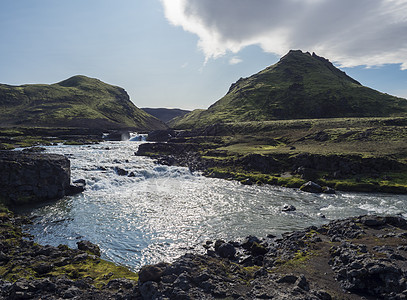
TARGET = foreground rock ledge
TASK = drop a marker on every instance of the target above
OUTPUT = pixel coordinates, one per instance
(34, 177)
(355, 258)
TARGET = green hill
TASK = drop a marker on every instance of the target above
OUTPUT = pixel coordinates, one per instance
(79, 101)
(299, 86)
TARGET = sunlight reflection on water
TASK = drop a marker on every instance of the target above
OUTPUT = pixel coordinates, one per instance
(163, 212)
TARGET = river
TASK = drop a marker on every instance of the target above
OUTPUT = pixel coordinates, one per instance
(157, 213)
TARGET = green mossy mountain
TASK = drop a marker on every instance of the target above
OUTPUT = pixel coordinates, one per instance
(299, 86)
(79, 101)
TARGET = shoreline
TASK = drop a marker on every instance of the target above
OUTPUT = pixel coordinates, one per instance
(360, 257)
(337, 172)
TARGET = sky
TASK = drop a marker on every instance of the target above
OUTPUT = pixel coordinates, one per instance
(186, 53)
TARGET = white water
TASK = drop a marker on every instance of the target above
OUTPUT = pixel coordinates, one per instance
(163, 212)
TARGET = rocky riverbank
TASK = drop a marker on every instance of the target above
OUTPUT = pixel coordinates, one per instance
(354, 173)
(32, 271)
(356, 258)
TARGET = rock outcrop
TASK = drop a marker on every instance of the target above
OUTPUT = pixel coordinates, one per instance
(361, 258)
(316, 168)
(28, 177)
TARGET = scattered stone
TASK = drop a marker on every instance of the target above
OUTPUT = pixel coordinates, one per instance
(258, 249)
(248, 242)
(288, 207)
(43, 268)
(328, 190)
(34, 149)
(80, 181)
(152, 272)
(246, 181)
(118, 135)
(373, 221)
(311, 187)
(226, 250)
(290, 278)
(302, 283)
(121, 172)
(78, 186)
(89, 247)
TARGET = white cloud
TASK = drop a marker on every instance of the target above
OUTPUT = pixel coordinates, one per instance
(235, 60)
(349, 32)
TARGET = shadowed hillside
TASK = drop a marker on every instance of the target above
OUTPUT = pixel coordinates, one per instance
(299, 86)
(79, 101)
(166, 114)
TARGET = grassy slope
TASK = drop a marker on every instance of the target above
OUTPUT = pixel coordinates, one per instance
(361, 137)
(299, 86)
(76, 102)
(188, 120)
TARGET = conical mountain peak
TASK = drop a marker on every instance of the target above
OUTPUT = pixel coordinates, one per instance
(77, 80)
(299, 86)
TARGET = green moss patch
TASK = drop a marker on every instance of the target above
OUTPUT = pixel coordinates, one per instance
(100, 271)
(25, 259)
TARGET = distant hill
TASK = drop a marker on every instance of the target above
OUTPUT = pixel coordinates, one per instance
(165, 114)
(300, 86)
(79, 101)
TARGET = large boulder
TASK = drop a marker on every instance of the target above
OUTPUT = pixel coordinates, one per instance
(33, 177)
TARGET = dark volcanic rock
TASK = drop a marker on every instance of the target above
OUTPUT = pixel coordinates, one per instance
(152, 272)
(161, 135)
(88, 246)
(226, 250)
(354, 258)
(27, 177)
(288, 207)
(78, 186)
(120, 171)
(311, 187)
(41, 265)
(118, 135)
